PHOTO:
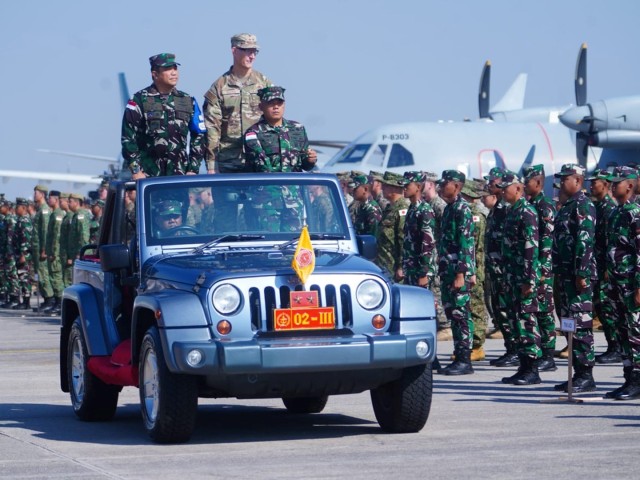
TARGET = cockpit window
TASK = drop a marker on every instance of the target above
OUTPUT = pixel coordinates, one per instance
(199, 212)
(399, 157)
(376, 159)
(353, 154)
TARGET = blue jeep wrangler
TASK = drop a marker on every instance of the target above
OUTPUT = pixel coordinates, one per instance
(191, 292)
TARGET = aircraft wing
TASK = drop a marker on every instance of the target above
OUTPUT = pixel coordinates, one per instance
(7, 175)
(80, 155)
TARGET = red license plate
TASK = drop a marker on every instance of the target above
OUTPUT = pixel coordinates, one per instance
(310, 318)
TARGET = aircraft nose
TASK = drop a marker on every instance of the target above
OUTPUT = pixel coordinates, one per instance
(577, 118)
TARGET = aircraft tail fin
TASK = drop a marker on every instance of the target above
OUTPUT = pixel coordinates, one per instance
(514, 98)
(124, 89)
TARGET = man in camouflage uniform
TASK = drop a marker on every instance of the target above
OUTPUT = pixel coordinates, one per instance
(9, 269)
(430, 195)
(52, 248)
(79, 228)
(4, 241)
(375, 180)
(534, 188)
(322, 217)
(368, 214)
(457, 268)
(40, 226)
(67, 270)
(573, 266)
(623, 267)
(520, 259)
(470, 193)
(275, 144)
(22, 238)
(495, 278)
(419, 265)
(602, 307)
(163, 132)
(231, 106)
(96, 219)
(391, 231)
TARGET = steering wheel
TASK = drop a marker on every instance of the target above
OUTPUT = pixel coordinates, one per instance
(181, 231)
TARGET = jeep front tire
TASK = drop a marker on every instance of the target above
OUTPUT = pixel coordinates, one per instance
(169, 402)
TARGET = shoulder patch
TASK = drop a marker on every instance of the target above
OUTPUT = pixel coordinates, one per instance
(250, 136)
(476, 218)
(402, 212)
(131, 105)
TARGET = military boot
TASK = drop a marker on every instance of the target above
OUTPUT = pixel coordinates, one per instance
(627, 376)
(25, 305)
(547, 363)
(530, 376)
(48, 305)
(461, 365)
(582, 381)
(57, 307)
(632, 390)
(509, 359)
(522, 367)
(14, 300)
(612, 355)
(435, 365)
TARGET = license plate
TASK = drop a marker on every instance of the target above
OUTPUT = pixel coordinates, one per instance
(310, 318)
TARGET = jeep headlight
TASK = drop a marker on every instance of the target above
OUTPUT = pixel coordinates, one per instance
(370, 294)
(226, 299)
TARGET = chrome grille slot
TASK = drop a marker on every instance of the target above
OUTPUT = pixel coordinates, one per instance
(345, 306)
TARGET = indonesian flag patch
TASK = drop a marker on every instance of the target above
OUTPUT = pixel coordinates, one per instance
(250, 136)
(131, 105)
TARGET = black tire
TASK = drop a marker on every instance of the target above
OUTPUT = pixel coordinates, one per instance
(305, 404)
(169, 402)
(92, 399)
(403, 406)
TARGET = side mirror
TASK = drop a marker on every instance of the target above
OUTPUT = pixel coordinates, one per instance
(114, 257)
(367, 246)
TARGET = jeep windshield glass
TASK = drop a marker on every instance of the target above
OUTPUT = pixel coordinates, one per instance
(268, 207)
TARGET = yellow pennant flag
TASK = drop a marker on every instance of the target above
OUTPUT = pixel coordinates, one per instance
(304, 260)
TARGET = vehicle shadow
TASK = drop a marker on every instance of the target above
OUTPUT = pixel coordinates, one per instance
(222, 423)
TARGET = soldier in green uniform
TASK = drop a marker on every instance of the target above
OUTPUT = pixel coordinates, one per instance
(22, 239)
(322, 217)
(375, 180)
(521, 264)
(495, 274)
(574, 267)
(96, 218)
(40, 225)
(9, 270)
(275, 144)
(534, 188)
(430, 195)
(67, 271)
(602, 307)
(4, 241)
(391, 232)
(163, 131)
(457, 269)
(368, 213)
(478, 311)
(419, 259)
(78, 229)
(623, 267)
(52, 248)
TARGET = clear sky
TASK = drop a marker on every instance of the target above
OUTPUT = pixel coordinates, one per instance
(347, 65)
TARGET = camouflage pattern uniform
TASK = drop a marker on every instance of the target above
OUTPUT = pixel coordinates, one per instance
(623, 267)
(520, 260)
(281, 148)
(546, 216)
(379, 198)
(155, 128)
(391, 231)
(419, 257)
(573, 239)
(456, 251)
(4, 242)
(8, 246)
(368, 214)
(94, 225)
(67, 270)
(322, 218)
(476, 305)
(602, 304)
(22, 244)
(437, 205)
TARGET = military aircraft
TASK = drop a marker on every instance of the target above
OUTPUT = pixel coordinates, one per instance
(77, 181)
(506, 135)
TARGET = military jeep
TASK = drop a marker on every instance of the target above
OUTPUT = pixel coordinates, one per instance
(191, 292)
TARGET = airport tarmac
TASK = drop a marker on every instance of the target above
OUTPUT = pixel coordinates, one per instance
(478, 428)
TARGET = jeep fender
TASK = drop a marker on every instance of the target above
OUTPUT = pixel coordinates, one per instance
(412, 309)
(169, 310)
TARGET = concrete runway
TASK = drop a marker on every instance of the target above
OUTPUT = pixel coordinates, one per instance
(478, 428)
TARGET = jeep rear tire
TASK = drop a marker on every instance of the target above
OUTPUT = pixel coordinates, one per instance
(305, 404)
(403, 406)
(169, 402)
(91, 398)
